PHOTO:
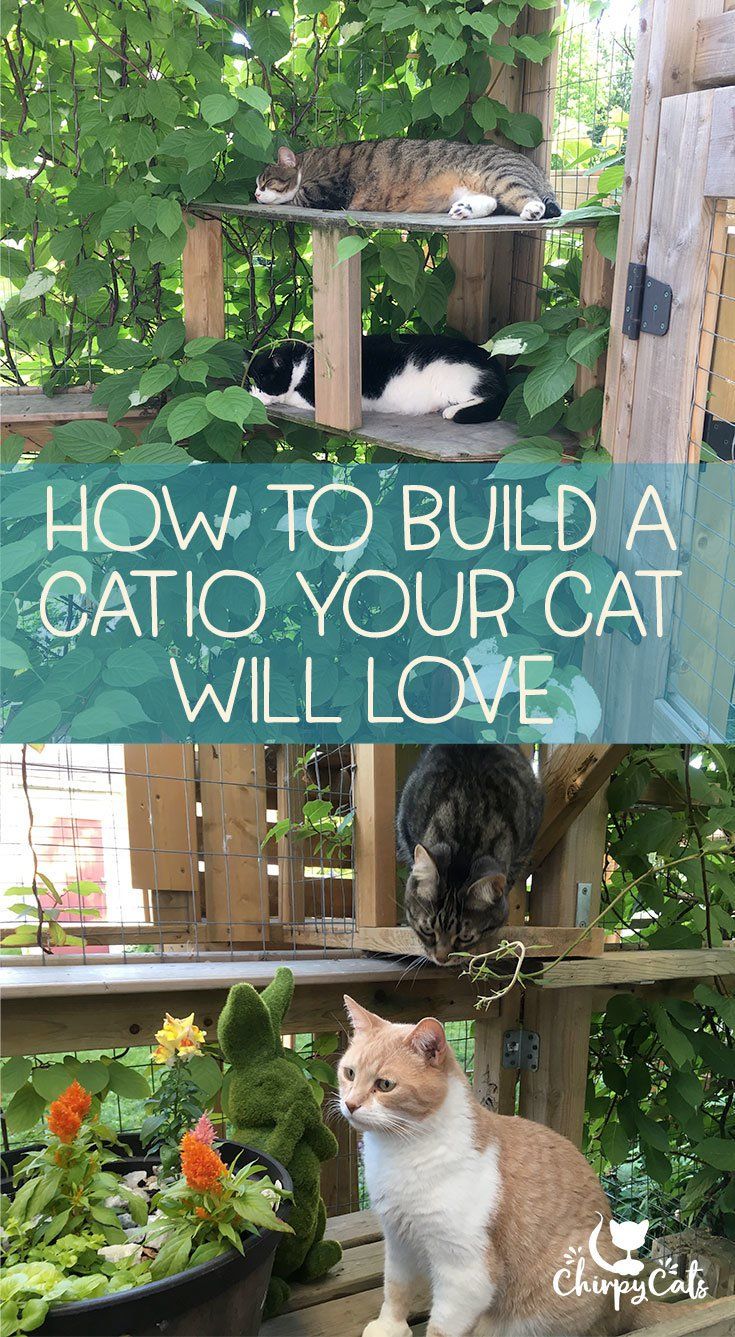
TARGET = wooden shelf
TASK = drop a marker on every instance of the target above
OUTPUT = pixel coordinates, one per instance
(383, 222)
(429, 437)
(538, 940)
(641, 967)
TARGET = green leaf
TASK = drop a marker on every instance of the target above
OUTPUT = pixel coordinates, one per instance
(128, 1083)
(446, 50)
(34, 723)
(586, 412)
(14, 1074)
(718, 1152)
(235, 405)
(136, 141)
(188, 417)
(401, 261)
(50, 1082)
(586, 345)
(448, 93)
(168, 338)
(93, 1076)
(350, 245)
(11, 449)
(722, 1004)
(24, 1110)
(218, 107)
(254, 96)
(87, 442)
(615, 1143)
(485, 23)
(117, 218)
(206, 1073)
(554, 373)
(524, 337)
(155, 452)
(168, 216)
(524, 129)
(13, 657)
(155, 381)
(270, 39)
(39, 282)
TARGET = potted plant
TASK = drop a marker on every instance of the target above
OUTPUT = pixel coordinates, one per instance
(96, 1245)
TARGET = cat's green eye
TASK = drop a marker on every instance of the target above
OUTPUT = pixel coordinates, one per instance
(349, 1074)
(384, 1084)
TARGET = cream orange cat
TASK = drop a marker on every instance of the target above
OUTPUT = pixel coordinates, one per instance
(481, 1207)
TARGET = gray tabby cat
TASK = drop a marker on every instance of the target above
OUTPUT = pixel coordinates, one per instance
(467, 820)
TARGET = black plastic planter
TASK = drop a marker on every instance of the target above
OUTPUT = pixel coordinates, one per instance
(223, 1298)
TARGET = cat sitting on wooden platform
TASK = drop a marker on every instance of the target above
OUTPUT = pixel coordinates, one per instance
(409, 374)
(419, 176)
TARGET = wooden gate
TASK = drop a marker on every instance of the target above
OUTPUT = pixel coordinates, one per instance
(677, 226)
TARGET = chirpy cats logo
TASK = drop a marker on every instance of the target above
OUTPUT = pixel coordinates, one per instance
(587, 1270)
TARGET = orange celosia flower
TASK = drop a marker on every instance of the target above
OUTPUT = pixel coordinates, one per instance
(201, 1166)
(66, 1113)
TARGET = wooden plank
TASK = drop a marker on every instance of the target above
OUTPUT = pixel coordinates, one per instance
(234, 825)
(27, 406)
(117, 1005)
(714, 56)
(679, 253)
(664, 65)
(360, 1269)
(573, 774)
(354, 1228)
(337, 333)
(538, 941)
(706, 1318)
(720, 179)
(346, 1317)
(428, 436)
(638, 967)
(162, 822)
(203, 278)
(468, 308)
(555, 1094)
(374, 221)
(375, 835)
(339, 1175)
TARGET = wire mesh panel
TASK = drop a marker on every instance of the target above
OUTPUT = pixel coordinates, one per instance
(713, 413)
(172, 848)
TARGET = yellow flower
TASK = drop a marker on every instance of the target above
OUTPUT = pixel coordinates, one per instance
(178, 1038)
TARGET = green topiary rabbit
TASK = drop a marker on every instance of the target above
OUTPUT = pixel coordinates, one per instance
(271, 1105)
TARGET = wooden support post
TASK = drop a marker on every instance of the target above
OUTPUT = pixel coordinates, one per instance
(664, 65)
(162, 830)
(339, 1177)
(555, 1094)
(495, 1086)
(337, 333)
(468, 309)
(234, 825)
(203, 278)
(290, 798)
(596, 289)
(375, 835)
(714, 58)
(573, 774)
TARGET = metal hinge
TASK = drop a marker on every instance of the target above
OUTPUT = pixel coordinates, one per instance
(521, 1050)
(647, 304)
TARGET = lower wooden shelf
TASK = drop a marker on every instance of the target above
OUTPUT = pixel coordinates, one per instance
(350, 1296)
(429, 437)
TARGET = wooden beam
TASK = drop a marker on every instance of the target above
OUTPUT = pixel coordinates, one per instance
(714, 56)
(572, 775)
(101, 1007)
(555, 1094)
(720, 179)
(638, 967)
(203, 278)
(539, 941)
(337, 333)
(162, 822)
(290, 798)
(468, 308)
(495, 1085)
(234, 825)
(375, 838)
(711, 1318)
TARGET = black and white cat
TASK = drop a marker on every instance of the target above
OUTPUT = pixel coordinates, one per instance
(411, 374)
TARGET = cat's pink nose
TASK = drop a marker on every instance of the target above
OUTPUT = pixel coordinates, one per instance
(353, 1105)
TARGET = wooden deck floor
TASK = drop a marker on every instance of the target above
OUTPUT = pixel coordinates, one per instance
(381, 222)
(342, 1303)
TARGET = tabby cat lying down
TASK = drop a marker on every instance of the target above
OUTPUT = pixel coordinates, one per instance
(410, 176)
(410, 374)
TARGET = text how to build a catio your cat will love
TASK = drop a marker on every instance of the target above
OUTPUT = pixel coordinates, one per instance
(302, 574)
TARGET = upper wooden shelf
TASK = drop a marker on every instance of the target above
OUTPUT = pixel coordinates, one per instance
(382, 222)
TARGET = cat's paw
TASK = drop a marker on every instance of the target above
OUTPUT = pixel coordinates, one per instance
(450, 410)
(386, 1327)
(533, 210)
(462, 209)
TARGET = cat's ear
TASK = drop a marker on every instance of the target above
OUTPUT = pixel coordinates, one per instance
(286, 157)
(424, 866)
(361, 1019)
(487, 890)
(429, 1041)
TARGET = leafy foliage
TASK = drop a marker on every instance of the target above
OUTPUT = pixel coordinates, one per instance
(662, 1076)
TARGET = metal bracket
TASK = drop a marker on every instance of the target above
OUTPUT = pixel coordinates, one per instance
(521, 1050)
(647, 304)
(584, 904)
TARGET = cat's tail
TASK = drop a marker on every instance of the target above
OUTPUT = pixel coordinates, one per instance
(478, 410)
(553, 208)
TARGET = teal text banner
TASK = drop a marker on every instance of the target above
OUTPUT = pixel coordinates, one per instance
(406, 603)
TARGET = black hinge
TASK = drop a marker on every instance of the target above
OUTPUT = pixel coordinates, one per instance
(521, 1050)
(647, 304)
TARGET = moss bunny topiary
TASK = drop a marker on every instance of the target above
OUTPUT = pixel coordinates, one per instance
(271, 1105)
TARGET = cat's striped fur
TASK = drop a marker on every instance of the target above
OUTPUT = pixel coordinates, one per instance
(410, 176)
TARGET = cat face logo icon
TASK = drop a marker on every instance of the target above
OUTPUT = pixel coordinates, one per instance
(626, 1236)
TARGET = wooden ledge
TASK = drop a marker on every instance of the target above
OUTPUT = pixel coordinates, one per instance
(538, 941)
(640, 967)
(382, 222)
